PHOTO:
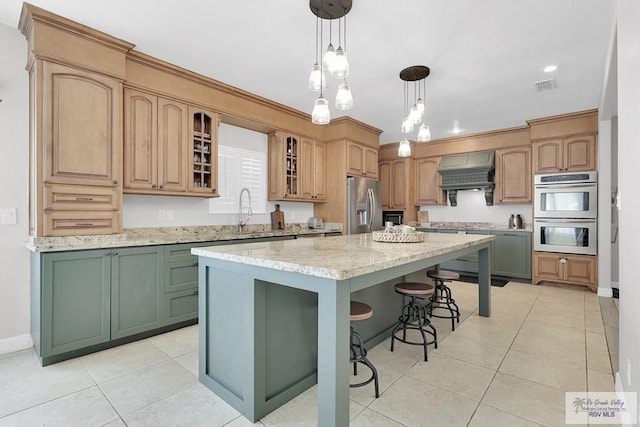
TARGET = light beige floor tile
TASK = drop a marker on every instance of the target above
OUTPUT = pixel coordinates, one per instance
(125, 359)
(476, 352)
(551, 372)
(414, 403)
(18, 365)
(593, 322)
(195, 406)
(595, 341)
(189, 361)
(555, 314)
(487, 416)
(178, 342)
(133, 391)
(551, 293)
(87, 407)
(243, 422)
(453, 375)
(599, 361)
(488, 330)
(370, 418)
(600, 381)
(302, 411)
(553, 341)
(115, 423)
(42, 385)
(526, 399)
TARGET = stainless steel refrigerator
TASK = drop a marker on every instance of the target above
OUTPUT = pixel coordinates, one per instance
(364, 208)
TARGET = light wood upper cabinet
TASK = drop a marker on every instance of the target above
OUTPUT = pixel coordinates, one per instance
(393, 177)
(202, 156)
(81, 127)
(513, 175)
(576, 153)
(156, 138)
(427, 182)
(297, 168)
(362, 160)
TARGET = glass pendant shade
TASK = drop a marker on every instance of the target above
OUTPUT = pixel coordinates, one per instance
(414, 115)
(320, 114)
(340, 68)
(328, 59)
(407, 125)
(420, 105)
(404, 149)
(424, 134)
(344, 98)
(317, 79)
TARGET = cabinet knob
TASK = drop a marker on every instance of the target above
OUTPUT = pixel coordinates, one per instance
(107, 253)
(115, 182)
(161, 185)
(115, 253)
(153, 186)
(213, 190)
(563, 261)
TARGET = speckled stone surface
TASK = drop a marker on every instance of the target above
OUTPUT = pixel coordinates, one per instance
(170, 235)
(340, 257)
(497, 226)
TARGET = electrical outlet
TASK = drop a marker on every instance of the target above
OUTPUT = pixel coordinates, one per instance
(162, 215)
(8, 216)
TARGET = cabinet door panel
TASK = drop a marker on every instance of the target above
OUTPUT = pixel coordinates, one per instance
(370, 163)
(320, 170)
(399, 185)
(427, 181)
(547, 156)
(81, 126)
(180, 306)
(140, 124)
(512, 254)
(581, 270)
(580, 153)
(355, 159)
(385, 184)
(513, 175)
(547, 267)
(75, 301)
(305, 169)
(135, 290)
(172, 145)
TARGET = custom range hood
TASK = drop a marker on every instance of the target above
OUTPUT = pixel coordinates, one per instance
(469, 171)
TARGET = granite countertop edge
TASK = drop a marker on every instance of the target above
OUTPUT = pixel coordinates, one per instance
(471, 226)
(169, 235)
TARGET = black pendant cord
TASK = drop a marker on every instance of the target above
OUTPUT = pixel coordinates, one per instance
(317, 19)
(345, 33)
(321, 65)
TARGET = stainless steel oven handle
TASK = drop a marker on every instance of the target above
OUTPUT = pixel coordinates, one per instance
(586, 186)
(576, 221)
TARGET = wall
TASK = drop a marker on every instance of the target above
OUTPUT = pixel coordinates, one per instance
(472, 208)
(14, 158)
(144, 211)
(615, 248)
(628, 16)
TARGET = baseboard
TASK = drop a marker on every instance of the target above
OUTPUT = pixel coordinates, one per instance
(21, 342)
(626, 420)
(615, 285)
(605, 292)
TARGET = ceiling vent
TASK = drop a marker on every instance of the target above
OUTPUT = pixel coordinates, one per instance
(542, 85)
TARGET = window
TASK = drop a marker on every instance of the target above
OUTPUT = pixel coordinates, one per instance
(239, 168)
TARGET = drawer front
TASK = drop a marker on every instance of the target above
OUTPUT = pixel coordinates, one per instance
(79, 198)
(81, 223)
(181, 275)
(180, 306)
(182, 251)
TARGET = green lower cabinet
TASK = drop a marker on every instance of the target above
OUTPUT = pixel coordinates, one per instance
(467, 263)
(511, 254)
(136, 290)
(74, 289)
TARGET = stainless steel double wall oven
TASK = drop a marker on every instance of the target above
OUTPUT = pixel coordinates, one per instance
(566, 213)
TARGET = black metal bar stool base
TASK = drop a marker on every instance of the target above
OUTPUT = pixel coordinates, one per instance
(359, 355)
(414, 316)
(442, 300)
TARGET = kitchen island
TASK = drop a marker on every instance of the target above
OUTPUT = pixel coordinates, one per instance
(269, 310)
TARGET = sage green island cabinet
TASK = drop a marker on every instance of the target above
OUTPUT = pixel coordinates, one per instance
(71, 301)
(512, 254)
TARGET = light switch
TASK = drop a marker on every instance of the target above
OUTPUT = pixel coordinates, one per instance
(8, 216)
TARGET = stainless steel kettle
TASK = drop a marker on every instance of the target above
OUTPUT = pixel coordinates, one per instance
(515, 221)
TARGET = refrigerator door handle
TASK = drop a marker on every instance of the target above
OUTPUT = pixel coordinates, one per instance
(372, 202)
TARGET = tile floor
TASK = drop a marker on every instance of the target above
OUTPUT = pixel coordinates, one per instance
(508, 370)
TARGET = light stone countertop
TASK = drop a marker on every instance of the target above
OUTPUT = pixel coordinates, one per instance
(479, 226)
(170, 235)
(339, 257)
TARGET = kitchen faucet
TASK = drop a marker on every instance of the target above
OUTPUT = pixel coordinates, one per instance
(241, 224)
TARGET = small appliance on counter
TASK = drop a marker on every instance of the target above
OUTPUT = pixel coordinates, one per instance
(315, 222)
(515, 222)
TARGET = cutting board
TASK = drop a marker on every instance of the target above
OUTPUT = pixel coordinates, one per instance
(423, 216)
(277, 219)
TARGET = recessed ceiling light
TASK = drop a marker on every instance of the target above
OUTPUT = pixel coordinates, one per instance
(550, 68)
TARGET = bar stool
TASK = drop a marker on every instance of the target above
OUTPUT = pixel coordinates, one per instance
(441, 298)
(361, 311)
(414, 315)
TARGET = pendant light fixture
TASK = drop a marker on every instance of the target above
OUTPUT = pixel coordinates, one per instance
(415, 114)
(334, 62)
